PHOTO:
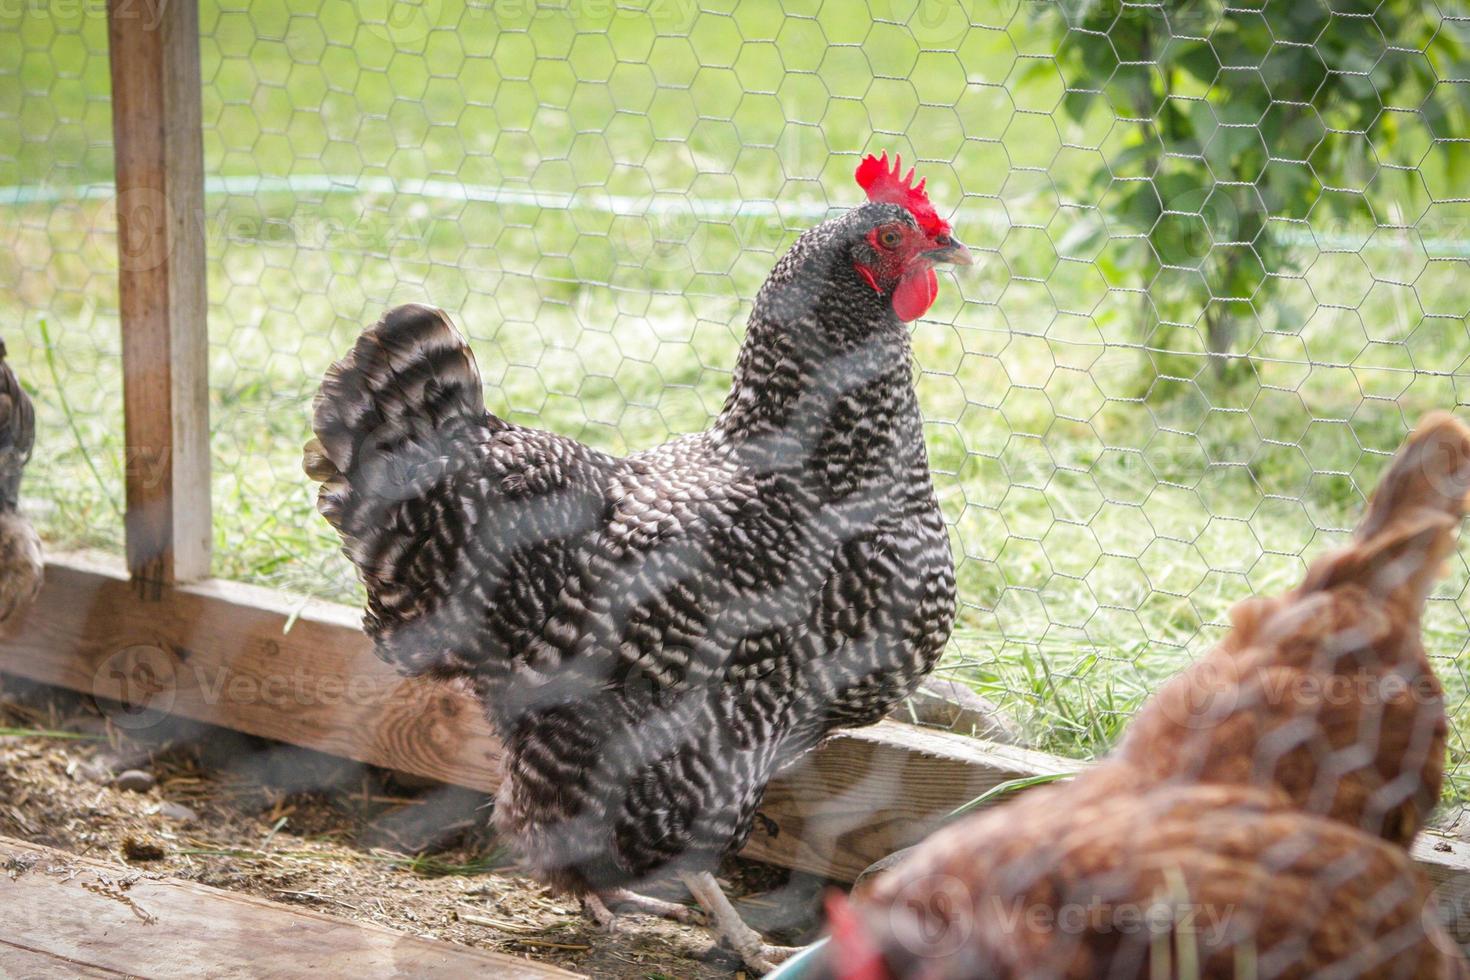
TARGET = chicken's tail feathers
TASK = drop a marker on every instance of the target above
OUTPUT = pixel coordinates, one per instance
(17, 432)
(1430, 474)
(393, 420)
(1399, 547)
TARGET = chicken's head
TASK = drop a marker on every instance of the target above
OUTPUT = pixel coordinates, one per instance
(896, 254)
(887, 940)
(852, 952)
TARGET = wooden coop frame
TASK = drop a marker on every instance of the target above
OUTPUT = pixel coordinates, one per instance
(249, 659)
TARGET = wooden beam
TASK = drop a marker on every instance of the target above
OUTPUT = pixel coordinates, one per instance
(1447, 860)
(219, 652)
(154, 50)
(871, 791)
(68, 916)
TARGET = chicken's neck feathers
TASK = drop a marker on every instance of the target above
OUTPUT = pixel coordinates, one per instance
(824, 378)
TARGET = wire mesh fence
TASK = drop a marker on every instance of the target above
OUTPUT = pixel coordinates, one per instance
(1222, 254)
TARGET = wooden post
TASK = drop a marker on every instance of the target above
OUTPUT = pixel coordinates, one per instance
(156, 120)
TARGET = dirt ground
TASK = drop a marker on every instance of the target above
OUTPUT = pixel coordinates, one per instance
(302, 828)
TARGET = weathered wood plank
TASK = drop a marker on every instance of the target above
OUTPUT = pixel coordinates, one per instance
(869, 792)
(154, 51)
(18, 961)
(217, 652)
(1447, 861)
(66, 916)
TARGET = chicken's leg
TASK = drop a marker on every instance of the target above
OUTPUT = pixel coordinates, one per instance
(757, 954)
(603, 907)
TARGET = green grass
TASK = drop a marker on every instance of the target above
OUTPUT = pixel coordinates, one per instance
(1110, 493)
(47, 733)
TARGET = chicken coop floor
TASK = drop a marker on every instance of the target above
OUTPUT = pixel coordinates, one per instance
(217, 808)
(73, 916)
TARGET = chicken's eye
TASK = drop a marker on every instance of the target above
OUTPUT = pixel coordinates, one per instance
(943, 241)
(889, 238)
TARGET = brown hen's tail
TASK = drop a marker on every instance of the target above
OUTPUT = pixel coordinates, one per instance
(1398, 549)
(392, 420)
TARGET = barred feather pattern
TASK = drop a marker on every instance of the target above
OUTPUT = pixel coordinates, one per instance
(17, 433)
(21, 565)
(654, 635)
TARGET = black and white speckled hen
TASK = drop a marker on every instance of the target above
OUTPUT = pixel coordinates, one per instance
(21, 565)
(654, 636)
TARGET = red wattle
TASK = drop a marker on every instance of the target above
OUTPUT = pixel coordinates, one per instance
(915, 294)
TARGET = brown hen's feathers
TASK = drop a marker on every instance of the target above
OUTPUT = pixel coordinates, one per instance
(1399, 547)
(1325, 691)
(1203, 882)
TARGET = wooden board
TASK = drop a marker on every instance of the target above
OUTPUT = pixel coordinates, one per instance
(869, 792)
(68, 916)
(153, 47)
(218, 652)
(1447, 861)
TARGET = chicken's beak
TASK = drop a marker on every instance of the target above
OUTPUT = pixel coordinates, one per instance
(954, 253)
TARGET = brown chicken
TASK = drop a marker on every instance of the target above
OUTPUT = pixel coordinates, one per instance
(1082, 881)
(1325, 692)
(1258, 809)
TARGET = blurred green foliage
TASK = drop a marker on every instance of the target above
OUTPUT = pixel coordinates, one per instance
(1240, 130)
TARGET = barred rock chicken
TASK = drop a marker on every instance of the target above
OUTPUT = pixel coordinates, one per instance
(21, 566)
(1281, 777)
(654, 636)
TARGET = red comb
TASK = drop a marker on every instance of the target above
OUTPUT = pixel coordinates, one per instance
(887, 187)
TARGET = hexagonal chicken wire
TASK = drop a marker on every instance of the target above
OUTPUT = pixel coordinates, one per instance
(1223, 262)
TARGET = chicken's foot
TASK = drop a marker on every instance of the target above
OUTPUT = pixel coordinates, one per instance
(757, 954)
(603, 908)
